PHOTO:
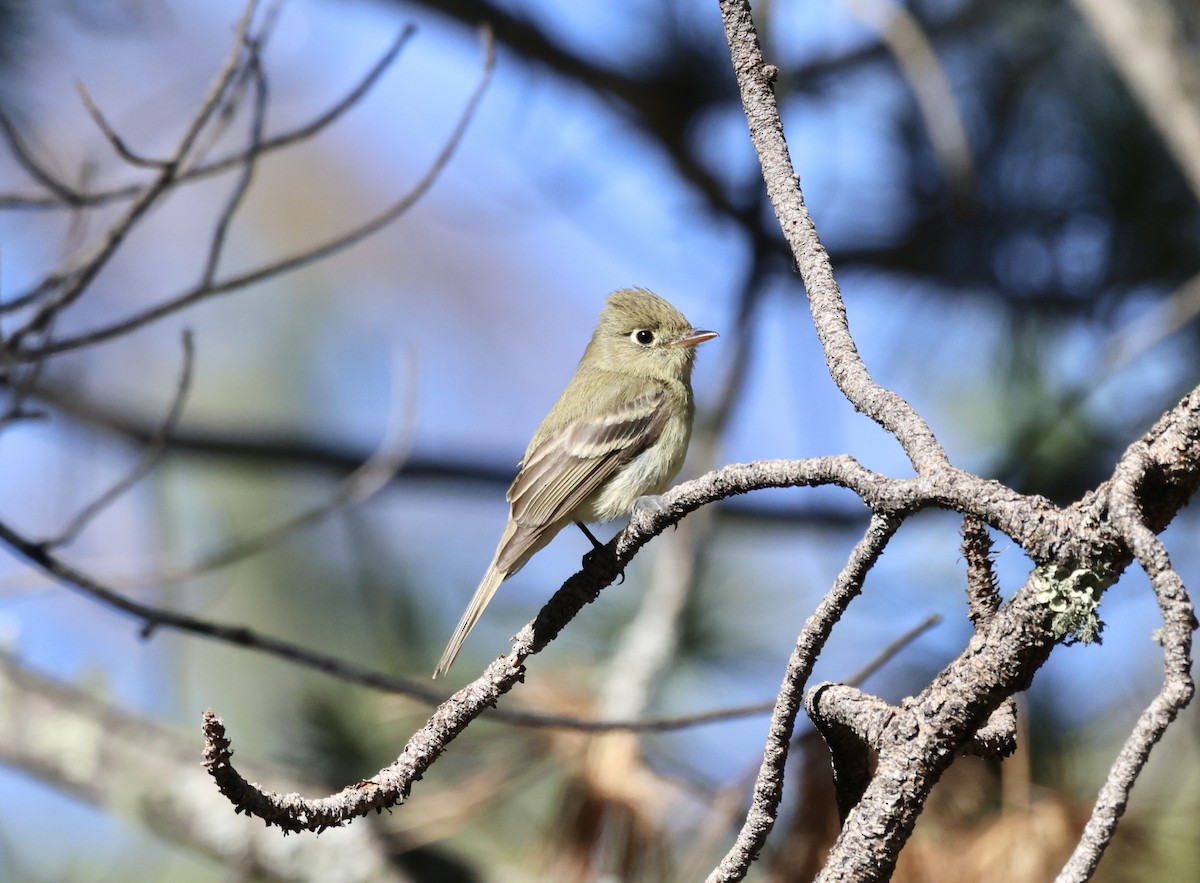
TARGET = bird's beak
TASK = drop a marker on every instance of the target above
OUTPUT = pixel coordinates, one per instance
(694, 337)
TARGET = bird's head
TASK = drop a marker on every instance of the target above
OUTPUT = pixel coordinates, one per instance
(640, 333)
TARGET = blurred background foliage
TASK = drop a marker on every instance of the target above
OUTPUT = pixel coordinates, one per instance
(1028, 287)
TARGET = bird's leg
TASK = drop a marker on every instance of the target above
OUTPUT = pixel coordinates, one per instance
(596, 544)
(597, 548)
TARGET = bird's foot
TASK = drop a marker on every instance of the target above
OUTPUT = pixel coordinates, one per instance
(651, 504)
(596, 557)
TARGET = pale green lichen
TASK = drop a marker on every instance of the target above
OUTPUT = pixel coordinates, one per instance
(1073, 594)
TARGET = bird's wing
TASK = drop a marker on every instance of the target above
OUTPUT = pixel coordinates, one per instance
(569, 465)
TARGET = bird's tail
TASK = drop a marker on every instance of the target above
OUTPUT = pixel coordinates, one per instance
(487, 587)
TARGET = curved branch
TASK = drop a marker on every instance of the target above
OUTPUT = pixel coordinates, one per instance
(393, 783)
(755, 81)
(890, 498)
(1178, 687)
(133, 767)
(768, 787)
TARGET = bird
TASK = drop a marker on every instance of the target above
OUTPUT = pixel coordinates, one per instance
(619, 432)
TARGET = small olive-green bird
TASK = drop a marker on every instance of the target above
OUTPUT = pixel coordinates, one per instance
(619, 431)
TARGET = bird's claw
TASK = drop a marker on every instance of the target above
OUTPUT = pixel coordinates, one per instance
(593, 558)
(651, 504)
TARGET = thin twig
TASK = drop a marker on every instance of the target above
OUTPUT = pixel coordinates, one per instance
(294, 262)
(755, 82)
(224, 164)
(149, 456)
(80, 279)
(63, 195)
(768, 787)
(117, 142)
(1175, 312)
(285, 139)
(1178, 687)
(717, 715)
(983, 595)
(246, 174)
(884, 656)
(357, 487)
(21, 381)
(153, 617)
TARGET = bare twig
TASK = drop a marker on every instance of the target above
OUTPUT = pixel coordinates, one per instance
(669, 723)
(768, 788)
(755, 81)
(77, 282)
(889, 651)
(149, 456)
(288, 264)
(62, 194)
(246, 174)
(153, 618)
(215, 167)
(117, 142)
(357, 487)
(1179, 621)
(1141, 335)
(983, 595)
(983, 602)
(21, 380)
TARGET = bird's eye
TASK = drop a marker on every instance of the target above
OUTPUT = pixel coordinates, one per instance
(644, 336)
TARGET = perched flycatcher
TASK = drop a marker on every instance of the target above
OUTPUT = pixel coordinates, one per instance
(619, 431)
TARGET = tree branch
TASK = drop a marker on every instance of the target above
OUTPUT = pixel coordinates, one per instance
(755, 81)
(1179, 621)
(134, 768)
(75, 283)
(149, 456)
(208, 289)
(768, 787)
